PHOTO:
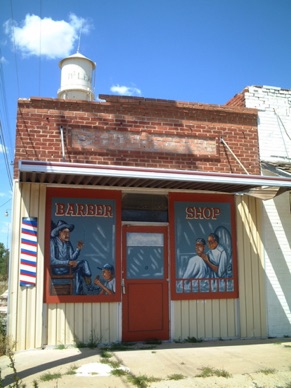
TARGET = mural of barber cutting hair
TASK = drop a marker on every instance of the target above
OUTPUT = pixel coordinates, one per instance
(204, 248)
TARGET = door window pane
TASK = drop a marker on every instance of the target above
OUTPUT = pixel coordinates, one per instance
(145, 256)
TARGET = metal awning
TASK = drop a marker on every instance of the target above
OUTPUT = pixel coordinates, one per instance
(152, 178)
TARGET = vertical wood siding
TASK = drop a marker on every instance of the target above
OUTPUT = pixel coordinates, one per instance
(277, 226)
(70, 323)
(244, 317)
(252, 295)
(204, 319)
(33, 324)
(26, 303)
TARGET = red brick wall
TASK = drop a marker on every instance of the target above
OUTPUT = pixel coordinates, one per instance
(238, 100)
(133, 131)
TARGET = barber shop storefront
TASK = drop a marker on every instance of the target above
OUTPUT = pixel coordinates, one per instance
(96, 234)
(142, 247)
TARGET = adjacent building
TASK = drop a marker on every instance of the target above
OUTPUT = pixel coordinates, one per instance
(274, 129)
(137, 219)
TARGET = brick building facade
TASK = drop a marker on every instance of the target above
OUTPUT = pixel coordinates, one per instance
(142, 182)
(138, 132)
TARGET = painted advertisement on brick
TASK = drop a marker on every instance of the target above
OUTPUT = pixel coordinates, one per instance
(82, 246)
(205, 254)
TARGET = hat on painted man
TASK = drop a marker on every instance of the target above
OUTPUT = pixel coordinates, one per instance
(107, 266)
(61, 225)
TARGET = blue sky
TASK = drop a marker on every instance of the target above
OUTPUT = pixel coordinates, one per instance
(186, 50)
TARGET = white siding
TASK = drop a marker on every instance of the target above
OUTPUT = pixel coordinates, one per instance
(274, 128)
(205, 319)
(277, 222)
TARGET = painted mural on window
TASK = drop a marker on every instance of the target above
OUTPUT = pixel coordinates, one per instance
(204, 249)
(82, 254)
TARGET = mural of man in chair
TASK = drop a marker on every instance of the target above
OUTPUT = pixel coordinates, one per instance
(64, 258)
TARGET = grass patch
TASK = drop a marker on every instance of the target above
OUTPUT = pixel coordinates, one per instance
(153, 342)
(118, 372)
(193, 340)
(94, 340)
(209, 372)
(113, 364)
(105, 354)
(50, 376)
(121, 346)
(176, 376)
(287, 346)
(80, 344)
(61, 347)
(72, 370)
(267, 371)
(3, 336)
(141, 381)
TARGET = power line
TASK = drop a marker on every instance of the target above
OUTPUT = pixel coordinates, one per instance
(40, 38)
(4, 104)
(5, 202)
(5, 157)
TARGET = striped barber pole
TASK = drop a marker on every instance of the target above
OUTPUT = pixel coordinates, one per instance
(28, 252)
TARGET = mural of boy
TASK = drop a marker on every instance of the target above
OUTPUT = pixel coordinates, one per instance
(108, 286)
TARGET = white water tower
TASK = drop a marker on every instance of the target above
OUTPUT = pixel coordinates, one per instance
(76, 78)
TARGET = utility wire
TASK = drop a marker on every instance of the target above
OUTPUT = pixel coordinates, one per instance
(5, 202)
(40, 40)
(5, 156)
(279, 118)
(3, 99)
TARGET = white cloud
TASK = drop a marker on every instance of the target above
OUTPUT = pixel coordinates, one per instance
(46, 37)
(3, 60)
(125, 90)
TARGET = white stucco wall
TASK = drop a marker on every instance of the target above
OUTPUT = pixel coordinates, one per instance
(274, 126)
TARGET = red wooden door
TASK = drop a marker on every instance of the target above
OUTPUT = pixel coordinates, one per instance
(145, 300)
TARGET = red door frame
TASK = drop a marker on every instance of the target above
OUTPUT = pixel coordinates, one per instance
(136, 295)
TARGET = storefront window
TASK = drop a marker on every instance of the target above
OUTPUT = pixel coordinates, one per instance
(204, 247)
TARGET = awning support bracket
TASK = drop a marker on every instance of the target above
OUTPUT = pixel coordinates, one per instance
(232, 153)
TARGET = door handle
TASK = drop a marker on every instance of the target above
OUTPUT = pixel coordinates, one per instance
(123, 286)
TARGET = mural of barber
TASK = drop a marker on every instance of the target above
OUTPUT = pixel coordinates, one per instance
(63, 256)
(82, 240)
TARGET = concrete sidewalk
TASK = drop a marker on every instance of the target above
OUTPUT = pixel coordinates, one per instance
(265, 363)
